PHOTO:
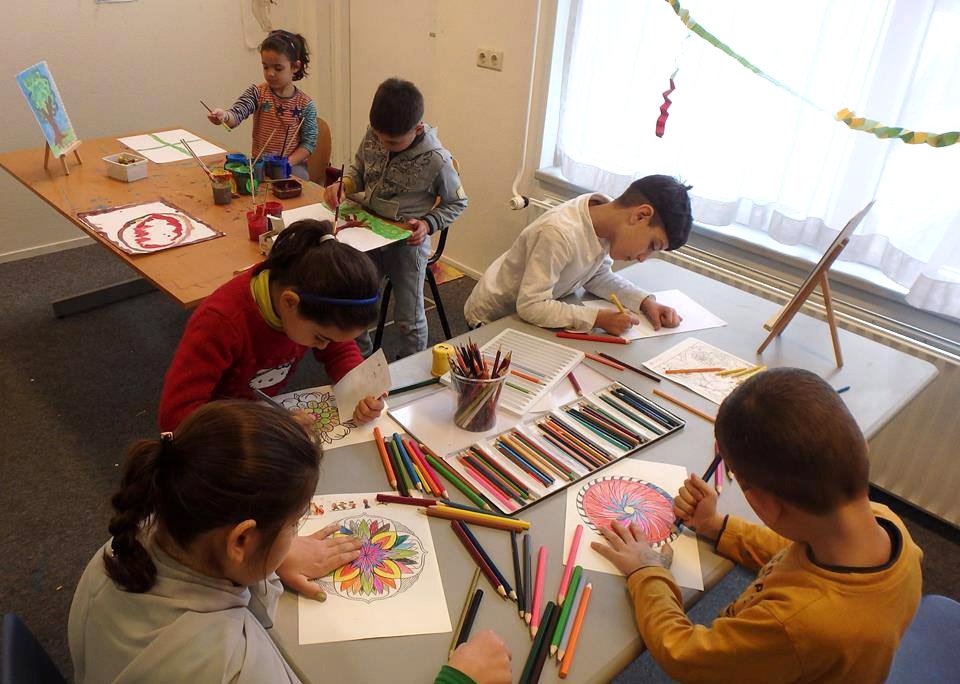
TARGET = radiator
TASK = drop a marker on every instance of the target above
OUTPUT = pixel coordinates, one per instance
(908, 459)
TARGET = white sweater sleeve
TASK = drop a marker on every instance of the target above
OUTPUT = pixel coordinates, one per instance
(604, 282)
(546, 258)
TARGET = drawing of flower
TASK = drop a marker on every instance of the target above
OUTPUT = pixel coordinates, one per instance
(389, 557)
(322, 407)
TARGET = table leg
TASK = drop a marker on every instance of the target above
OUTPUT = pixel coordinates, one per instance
(94, 299)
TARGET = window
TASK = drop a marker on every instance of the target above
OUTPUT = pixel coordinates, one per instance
(759, 157)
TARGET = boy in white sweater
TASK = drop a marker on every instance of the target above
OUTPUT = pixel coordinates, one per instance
(573, 246)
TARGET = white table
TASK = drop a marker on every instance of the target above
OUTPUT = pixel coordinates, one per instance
(883, 380)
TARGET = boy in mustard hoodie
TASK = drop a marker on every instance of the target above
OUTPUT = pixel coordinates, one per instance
(839, 577)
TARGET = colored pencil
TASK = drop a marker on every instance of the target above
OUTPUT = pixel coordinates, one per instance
(462, 507)
(541, 458)
(743, 371)
(576, 384)
(407, 462)
(635, 418)
(681, 371)
(557, 633)
(612, 423)
(471, 615)
(538, 590)
(550, 625)
(750, 373)
(406, 500)
(477, 558)
(260, 394)
(584, 337)
(574, 607)
(430, 471)
(455, 480)
(712, 468)
(500, 471)
(536, 647)
(486, 556)
(601, 431)
(575, 633)
(430, 480)
(222, 123)
(588, 445)
(567, 448)
(731, 371)
(616, 300)
(422, 484)
(605, 362)
(517, 576)
(526, 613)
(493, 478)
(521, 463)
(506, 502)
(336, 210)
(413, 386)
(645, 373)
(697, 412)
(571, 561)
(466, 605)
(404, 483)
(517, 387)
(382, 450)
(843, 389)
(646, 406)
(526, 377)
(482, 519)
(718, 477)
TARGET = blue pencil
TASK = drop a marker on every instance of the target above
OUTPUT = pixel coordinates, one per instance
(843, 389)
(544, 479)
(408, 464)
(496, 571)
(573, 611)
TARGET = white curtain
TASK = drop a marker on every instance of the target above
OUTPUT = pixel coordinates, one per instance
(761, 157)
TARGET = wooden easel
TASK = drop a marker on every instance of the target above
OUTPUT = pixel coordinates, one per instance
(817, 277)
(72, 147)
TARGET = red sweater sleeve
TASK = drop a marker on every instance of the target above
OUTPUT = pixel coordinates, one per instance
(339, 358)
(208, 348)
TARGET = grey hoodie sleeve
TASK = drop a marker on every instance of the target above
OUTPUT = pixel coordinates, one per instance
(356, 169)
(453, 198)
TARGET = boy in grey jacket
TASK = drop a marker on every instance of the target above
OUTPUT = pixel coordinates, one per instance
(403, 173)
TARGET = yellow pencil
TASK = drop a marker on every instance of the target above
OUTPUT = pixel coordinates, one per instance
(731, 371)
(482, 519)
(616, 300)
(750, 373)
(743, 371)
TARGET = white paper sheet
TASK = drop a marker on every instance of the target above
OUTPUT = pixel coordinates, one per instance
(321, 403)
(370, 379)
(362, 239)
(164, 147)
(694, 353)
(632, 491)
(148, 228)
(695, 317)
(394, 590)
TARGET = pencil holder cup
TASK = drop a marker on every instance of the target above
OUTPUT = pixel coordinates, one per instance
(222, 182)
(476, 401)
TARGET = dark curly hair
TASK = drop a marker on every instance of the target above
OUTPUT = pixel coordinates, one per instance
(671, 205)
(292, 45)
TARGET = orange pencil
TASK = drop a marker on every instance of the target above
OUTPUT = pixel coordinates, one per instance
(575, 633)
(421, 465)
(680, 371)
(526, 377)
(694, 411)
(381, 447)
(605, 362)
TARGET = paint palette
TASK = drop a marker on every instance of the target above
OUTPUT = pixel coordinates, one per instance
(536, 365)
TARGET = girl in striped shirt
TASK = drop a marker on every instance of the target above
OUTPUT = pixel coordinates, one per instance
(277, 105)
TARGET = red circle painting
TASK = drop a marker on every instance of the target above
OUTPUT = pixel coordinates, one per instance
(154, 231)
(628, 500)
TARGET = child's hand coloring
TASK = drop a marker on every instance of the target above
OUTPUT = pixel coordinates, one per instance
(330, 194)
(628, 550)
(696, 506)
(615, 322)
(315, 556)
(419, 229)
(660, 316)
(484, 658)
(368, 408)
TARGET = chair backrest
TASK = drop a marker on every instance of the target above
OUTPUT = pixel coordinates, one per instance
(318, 162)
(24, 660)
(442, 240)
(930, 648)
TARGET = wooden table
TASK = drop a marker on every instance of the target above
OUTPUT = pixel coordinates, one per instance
(187, 274)
(883, 381)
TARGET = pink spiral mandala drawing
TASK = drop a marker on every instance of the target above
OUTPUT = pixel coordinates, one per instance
(628, 500)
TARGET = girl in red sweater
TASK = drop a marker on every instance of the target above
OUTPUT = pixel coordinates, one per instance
(311, 291)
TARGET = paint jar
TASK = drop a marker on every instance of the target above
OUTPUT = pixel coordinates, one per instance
(285, 189)
(222, 182)
(271, 208)
(258, 171)
(476, 401)
(236, 158)
(241, 177)
(256, 224)
(280, 168)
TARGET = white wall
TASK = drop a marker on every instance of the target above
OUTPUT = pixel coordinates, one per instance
(479, 113)
(128, 67)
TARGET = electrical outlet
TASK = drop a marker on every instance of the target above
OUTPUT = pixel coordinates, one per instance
(490, 59)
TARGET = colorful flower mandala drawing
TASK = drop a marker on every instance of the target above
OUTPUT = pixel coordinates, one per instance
(390, 561)
(322, 406)
(628, 500)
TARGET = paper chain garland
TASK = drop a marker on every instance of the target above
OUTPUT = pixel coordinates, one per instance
(854, 122)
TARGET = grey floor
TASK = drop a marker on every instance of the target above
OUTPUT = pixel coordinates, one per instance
(76, 391)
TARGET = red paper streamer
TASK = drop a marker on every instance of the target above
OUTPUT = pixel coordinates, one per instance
(664, 113)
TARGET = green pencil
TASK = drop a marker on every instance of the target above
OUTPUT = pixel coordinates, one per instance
(565, 612)
(537, 646)
(456, 482)
(416, 385)
(402, 470)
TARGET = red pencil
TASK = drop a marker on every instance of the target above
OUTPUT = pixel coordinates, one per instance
(477, 558)
(409, 500)
(431, 473)
(486, 484)
(592, 338)
(605, 362)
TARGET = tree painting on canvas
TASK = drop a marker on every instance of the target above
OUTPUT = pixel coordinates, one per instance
(45, 102)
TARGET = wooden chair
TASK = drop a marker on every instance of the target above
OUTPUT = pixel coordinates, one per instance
(318, 162)
(431, 281)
